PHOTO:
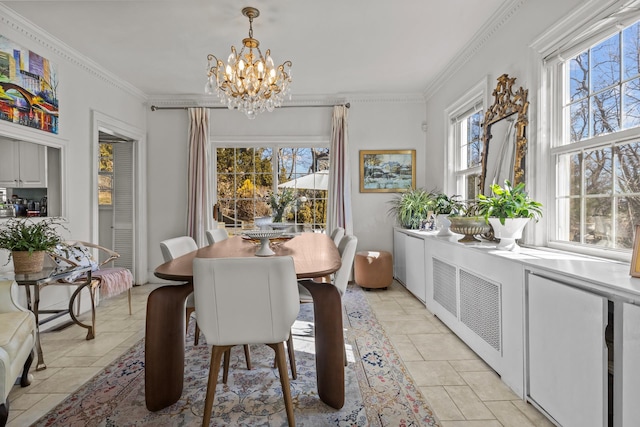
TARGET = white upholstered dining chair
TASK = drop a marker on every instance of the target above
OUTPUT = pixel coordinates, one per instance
(245, 300)
(174, 248)
(216, 235)
(340, 280)
(337, 234)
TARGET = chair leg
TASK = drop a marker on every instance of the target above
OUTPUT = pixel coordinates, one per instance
(227, 359)
(284, 381)
(247, 356)
(214, 369)
(196, 338)
(24, 379)
(292, 357)
(344, 352)
(129, 298)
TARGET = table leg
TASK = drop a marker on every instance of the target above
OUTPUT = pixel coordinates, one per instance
(164, 345)
(329, 340)
(40, 365)
(76, 293)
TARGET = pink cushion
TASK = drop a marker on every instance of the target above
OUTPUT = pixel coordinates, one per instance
(113, 281)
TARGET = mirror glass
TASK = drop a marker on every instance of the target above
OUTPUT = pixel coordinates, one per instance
(504, 139)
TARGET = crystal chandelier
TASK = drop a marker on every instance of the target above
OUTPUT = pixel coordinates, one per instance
(249, 82)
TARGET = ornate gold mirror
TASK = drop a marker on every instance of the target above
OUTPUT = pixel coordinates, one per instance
(505, 139)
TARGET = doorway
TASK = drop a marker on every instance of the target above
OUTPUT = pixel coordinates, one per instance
(119, 214)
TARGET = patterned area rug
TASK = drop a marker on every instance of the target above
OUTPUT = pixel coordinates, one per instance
(379, 390)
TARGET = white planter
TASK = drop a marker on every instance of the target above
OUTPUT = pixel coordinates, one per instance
(509, 232)
(443, 223)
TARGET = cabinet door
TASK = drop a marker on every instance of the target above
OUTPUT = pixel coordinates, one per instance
(9, 158)
(415, 261)
(630, 364)
(567, 352)
(399, 257)
(33, 169)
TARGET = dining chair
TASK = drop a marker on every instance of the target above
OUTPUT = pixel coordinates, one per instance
(245, 300)
(216, 235)
(340, 280)
(337, 234)
(174, 248)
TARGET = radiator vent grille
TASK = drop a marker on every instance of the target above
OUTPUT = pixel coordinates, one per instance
(480, 307)
(444, 285)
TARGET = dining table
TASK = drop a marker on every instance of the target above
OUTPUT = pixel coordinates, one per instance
(314, 255)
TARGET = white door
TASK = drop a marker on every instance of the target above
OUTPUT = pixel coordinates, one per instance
(567, 352)
(123, 206)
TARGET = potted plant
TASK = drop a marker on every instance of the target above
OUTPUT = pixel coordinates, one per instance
(279, 202)
(410, 208)
(27, 240)
(469, 222)
(508, 210)
(443, 206)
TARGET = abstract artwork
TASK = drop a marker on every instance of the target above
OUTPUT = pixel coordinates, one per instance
(28, 88)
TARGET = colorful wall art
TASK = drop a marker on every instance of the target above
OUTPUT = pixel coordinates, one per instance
(28, 88)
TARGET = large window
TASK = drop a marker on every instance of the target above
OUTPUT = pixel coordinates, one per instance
(597, 151)
(247, 176)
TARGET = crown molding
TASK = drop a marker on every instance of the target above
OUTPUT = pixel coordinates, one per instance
(39, 36)
(478, 40)
(186, 100)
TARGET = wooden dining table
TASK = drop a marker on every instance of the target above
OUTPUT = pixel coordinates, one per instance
(314, 255)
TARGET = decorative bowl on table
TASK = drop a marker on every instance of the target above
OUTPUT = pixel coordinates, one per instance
(264, 236)
(469, 226)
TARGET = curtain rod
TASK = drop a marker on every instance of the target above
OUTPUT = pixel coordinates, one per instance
(154, 107)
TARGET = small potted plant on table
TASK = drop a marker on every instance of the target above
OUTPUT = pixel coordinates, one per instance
(28, 240)
(508, 211)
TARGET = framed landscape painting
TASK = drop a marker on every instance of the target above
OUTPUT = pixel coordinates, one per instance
(387, 171)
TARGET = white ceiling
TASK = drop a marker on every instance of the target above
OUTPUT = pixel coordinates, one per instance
(336, 46)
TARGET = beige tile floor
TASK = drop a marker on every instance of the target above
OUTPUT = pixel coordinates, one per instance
(462, 390)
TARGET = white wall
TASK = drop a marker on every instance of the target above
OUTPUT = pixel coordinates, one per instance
(506, 51)
(382, 124)
(81, 91)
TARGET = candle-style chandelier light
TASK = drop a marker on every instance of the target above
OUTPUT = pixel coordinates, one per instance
(249, 81)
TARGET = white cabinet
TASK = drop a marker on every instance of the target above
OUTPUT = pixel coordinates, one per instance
(399, 257)
(409, 263)
(415, 261)
(567, 354)
(22, 164)
(630, 358)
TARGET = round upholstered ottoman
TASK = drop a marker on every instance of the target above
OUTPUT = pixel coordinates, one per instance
(373, 269)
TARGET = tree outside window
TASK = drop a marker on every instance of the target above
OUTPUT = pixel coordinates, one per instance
(598, 158)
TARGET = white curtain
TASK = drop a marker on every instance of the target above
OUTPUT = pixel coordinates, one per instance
(339, 209)
(199, 207)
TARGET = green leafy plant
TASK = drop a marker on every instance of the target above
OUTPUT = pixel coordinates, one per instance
(26, 234)
(279, 202)
(411, 207)
(508, 202)
(441, 204)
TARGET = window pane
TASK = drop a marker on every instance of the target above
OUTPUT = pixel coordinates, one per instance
(568, 219)
(579, 77)
(631, 104)
(474, 140)
(575, 231)
(605, 63)
(244, 159)
(472, 186)
(579, 129)
(597, 171)
(628, 216)
(105, 197)
(598, 221)
(569, 174)
(627, 161)
(606, 111)
(631, 50)
(225, 160)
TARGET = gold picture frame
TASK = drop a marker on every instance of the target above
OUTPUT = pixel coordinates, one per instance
(387, 171)
(635, 259)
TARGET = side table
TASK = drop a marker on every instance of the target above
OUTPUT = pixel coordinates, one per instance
(53, 276)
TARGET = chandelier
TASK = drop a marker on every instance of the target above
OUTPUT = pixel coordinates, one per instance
(249, 82)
